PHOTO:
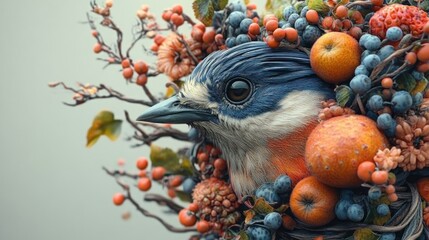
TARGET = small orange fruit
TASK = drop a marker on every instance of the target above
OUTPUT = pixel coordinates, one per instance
(334, 57)
(423, 187)
(313, 202)
(337, 146)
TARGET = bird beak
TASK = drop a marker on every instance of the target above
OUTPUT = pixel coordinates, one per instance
(172, 111)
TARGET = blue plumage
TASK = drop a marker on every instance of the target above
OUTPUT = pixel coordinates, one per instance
(273, 72)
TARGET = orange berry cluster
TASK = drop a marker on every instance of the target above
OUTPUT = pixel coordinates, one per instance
(210, 41)
(344, 20)
(369, 173)
(174, 15)
(210, 162)
(140, 67)
(420, 57)
(276, 35)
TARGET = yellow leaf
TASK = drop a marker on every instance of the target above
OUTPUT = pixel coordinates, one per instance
(364, 234)
(104, 123)
(249, 216)
(262, 207)
(420, 86)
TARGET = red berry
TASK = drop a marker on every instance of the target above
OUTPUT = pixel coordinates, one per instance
(177, 19)
(187, 218)
(140, 67)
(271, 42)
(254, 29)
(312, 16)
(142, 163)
(118, 199)
(159, 39)
(341, 11)
(154, 47)
(209, 36)
(197, 34)
(390, 189)
(387, 82)
(142, 173)
(220, 164)
(279, 34)
(171, 192)
(144, 184)
(251, 6)
(272, 25)
(269, 17)
(423, 53)
(203, 226)
(94, 33)
(200, 26)
(127, 73)
(365, 171)
(411, 58)
(380, 177)
(327, 22)
(126, 63)
(202, 157)
(158, 173)
(109, 3)
(97, 48)
(175, 181)
(193, 207)
(178, 9)
(291, 34)
(141, 80)
(166, 15)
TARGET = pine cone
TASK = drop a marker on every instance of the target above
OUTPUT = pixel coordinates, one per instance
(217, 203)
(331, 109)
(173, 58)
(412, 137)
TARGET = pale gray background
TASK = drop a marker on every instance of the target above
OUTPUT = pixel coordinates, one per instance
(52, 187)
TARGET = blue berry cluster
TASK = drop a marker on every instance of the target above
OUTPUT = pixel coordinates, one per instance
(308, 32)
(348, 209)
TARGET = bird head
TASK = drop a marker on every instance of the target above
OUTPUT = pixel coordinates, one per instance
(256, 104)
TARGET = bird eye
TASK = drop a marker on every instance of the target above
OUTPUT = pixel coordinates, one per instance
(238, 90)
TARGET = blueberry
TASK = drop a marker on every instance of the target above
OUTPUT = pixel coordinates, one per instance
(260, 233)
(383, 209)
(371, 61)
(341, 208)
(384, 121)
(374, 193)
(288, 11)
(292, 18)
(244, 25)
(346, 194)
(230, 42)
(237, 6)
(363, 39)
(361, 69)
(365, 54)
(375, 103)
(387, 236)
(401, 101)
(267, 192)
(310, 35)
(242, 38)
(391, 131)
(273, 220)
(372, 115)
(385, 52)
(360, 84)
(235, 18)
(188, 185)
(282, 184)
(304, 11)
(282, 23)
(373, 43)
(355, 213)
(300, 24)
(417, 75)
(394, 34)
(417, 99)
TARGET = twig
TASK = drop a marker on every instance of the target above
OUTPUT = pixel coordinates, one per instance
(150, 95)
(145, 212)
(163, 201)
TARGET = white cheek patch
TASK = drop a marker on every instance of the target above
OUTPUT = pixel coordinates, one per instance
(197, 95)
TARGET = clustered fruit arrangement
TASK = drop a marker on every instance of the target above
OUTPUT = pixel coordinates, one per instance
(369, 155)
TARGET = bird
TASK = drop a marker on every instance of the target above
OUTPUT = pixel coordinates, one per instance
(257, 104)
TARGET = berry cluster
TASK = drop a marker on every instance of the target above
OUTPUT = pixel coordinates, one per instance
(210, 163)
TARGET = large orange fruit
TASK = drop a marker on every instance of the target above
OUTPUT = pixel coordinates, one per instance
(337, 146)
(313, 202)
(334, 57)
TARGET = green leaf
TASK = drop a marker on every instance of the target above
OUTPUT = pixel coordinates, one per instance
(164, 157)
(319, 6)
(219, 4)
(183, 196)
(364, 234)
(262, 207)
(204, 11)
(406, 82)
(282, 208)
(242, 235)
(344, 95)
(104, 123)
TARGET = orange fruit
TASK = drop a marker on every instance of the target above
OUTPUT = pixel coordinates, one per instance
(423, 187)
(313, 202)
(334, 57)
(337, 146)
